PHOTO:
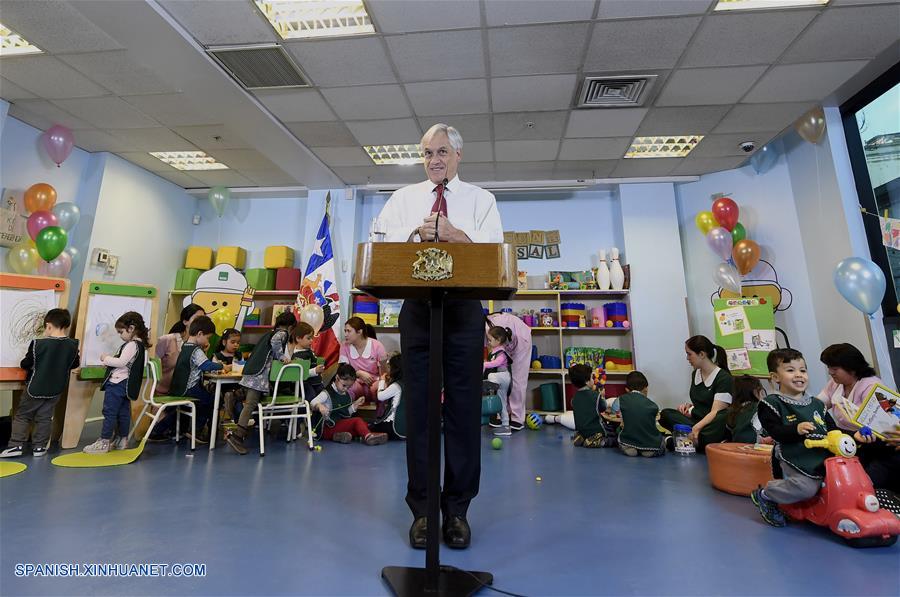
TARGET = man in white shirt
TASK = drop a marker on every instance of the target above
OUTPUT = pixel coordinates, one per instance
(443, 209)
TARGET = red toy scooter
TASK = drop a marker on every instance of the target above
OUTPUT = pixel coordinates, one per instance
(847, 503)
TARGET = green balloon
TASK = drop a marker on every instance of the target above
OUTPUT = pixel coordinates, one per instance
(50, 242)
(738, 234)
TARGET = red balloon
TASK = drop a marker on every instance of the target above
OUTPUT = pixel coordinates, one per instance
(39, 220)
(726, 212)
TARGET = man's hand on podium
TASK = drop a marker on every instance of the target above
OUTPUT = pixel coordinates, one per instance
(445, 230)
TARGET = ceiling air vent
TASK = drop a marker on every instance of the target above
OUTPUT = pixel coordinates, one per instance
(259, 66)
(614, 92)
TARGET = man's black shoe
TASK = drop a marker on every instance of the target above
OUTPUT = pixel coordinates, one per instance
(418, 532)
(457, 534)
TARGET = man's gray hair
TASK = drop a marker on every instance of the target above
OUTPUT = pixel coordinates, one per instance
(456, 141)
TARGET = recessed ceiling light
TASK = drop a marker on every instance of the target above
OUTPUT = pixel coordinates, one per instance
(759, 4)
(293, 19)
(393, 155)
(672, 146)
(189, 160)
(13, 44)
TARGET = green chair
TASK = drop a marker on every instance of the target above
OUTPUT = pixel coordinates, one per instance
(182, 404)
(286, 406)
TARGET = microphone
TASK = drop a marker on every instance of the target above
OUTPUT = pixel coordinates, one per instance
(444, 203)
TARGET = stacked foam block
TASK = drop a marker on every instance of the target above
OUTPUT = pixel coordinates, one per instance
(200, 259)
(279, 272)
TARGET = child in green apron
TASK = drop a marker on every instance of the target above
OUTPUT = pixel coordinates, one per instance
(741, 421)
(639, 434)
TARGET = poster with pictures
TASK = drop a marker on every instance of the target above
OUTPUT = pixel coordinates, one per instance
(745, 328)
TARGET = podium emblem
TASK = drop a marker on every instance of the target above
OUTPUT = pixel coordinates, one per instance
(432, 265)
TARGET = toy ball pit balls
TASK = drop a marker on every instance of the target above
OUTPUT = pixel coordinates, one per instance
(626, 324)
(535, 364)
(609, 323)
(534, 421)
(496, 443)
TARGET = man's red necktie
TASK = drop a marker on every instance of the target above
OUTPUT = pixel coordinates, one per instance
(439, 203)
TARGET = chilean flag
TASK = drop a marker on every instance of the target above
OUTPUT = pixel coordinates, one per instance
(319, 286)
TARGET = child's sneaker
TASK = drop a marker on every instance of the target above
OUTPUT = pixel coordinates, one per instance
(503, 430)
(342, 437)
(101, 446)
(516, 426)
(375, 439)
(38, 452)
(236, 442)
(578, 440)
(12, 452)
(768, 509)
(495, 421)
(120, 444)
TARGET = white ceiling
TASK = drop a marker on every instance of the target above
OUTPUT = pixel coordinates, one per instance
(132, 77)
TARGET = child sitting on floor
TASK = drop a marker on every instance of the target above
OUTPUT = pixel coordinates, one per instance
(587, 404)
(639, 434)
(790, 417)
(301, 341)
(741, 421)
(334, 409)
(390, 392)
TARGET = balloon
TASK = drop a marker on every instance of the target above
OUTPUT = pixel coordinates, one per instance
(745, 255)
(313, 315)
(811, 126)
(50, 242)
(763, 160)
(67, 214)
(219, 197)
(738, 234)
(725, 211)
(39, 220)
(40, 197)
(58, 142)
(861, 282)
(74, 255)
(58, 268)
(223, 318)
(719, 240)
(705, 221)
(725, 276)
(22, 258)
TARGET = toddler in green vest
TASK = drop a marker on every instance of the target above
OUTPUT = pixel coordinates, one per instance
(741, 421)
(334, 410)
(639, 434)
(587, 406)
(47, 363)
(790, 417)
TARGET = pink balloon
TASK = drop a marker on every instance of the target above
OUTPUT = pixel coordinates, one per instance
(58, 268)
(58, 142)
(39, 220)
(720, 241)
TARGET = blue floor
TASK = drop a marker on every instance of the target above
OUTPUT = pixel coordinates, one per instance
(325, 523)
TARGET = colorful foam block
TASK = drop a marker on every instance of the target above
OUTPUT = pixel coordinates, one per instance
(287, 278)
(234, 256)
(199, 258)
(278, 257)
(186, 279)
(261, 279)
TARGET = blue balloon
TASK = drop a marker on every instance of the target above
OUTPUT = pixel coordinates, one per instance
(763, 160)
(861, 282)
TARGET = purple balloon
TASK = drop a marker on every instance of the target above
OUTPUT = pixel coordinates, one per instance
(720, 241)
(58, 141)
(40, 220)
(58, 268)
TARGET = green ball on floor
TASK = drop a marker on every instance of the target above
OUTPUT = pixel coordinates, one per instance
(496, 443)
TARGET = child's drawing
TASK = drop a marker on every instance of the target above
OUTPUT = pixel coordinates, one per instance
(100, 336)
(21, 321)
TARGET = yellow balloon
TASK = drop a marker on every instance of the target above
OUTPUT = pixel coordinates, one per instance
(23, 258)
(224, 319)
(705, 221)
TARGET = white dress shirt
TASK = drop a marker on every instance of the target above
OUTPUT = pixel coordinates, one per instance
(471, 209)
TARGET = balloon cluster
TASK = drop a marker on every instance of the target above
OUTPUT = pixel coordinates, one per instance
(48, 225)
(728, 239)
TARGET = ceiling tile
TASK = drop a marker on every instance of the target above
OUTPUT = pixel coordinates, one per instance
(242, 159)
(638, 168)
(49, 78)
(385, 132)
(478, 172)
(523, 12)
(38, 122)
(400, 16)
(205, 137)
(296, 105)
(465, 96)
(346, 61)
(381, 174)
(542, 92)
(697, 166)
(214, 23)
(11, 92)
(478, 151)
(322, 134)
(606, 148)
(271, 178)
(181, 179)
(529, 125)
(693, 86)
(472, 127)
(438, 56)
(537, 49)
(716, 146)
(689, 120)
(55, 27)
(49, 111)
(575, 169)
(628, 9)
(800, 82)
(524, 170)
(94, 140)
(225, 178)
(343, 156)
(118, 72)
(648, 43)
(761, 117)
(749, 38)
(835, 35)
(526, 151)
(379, 101)
(152, 139)
(174, 109)
(600, 122)
(146, 161)
(107, 112)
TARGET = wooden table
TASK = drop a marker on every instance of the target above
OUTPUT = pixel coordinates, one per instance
(220, 379)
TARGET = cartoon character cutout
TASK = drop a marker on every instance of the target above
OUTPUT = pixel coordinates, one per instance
(224, 295)
(762, 283)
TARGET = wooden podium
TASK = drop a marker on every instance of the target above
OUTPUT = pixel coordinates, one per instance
(435, 272)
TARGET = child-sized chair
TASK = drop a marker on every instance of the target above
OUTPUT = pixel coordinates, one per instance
(286, 406)
(182, 404)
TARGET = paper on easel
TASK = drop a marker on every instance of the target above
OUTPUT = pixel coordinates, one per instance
(738, 359)
(732, 321)
(871, 414)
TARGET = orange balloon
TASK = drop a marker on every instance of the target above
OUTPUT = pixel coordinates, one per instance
(40, 197)
(746, 255)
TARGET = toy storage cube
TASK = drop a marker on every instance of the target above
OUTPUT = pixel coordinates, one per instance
(550, 396)
(287, 278)
(278, 257)
(186, 279)
(235, 256)
(199, 258)
(261, 279)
